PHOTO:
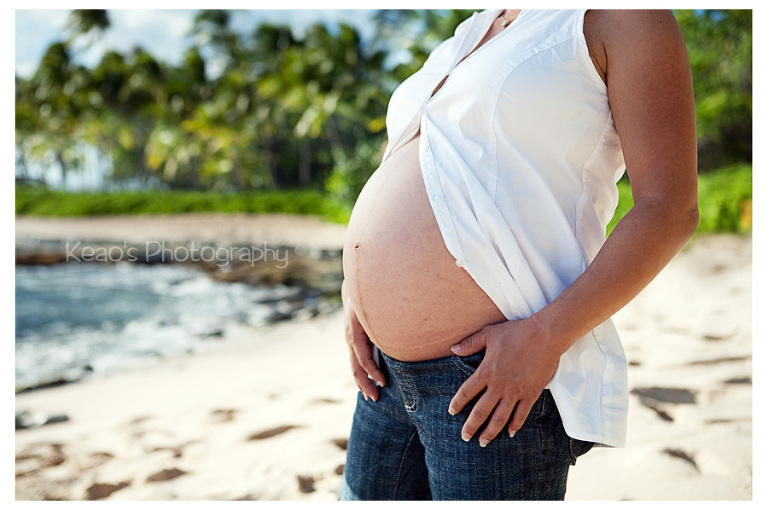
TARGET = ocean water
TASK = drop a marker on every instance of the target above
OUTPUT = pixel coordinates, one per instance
(75, 320)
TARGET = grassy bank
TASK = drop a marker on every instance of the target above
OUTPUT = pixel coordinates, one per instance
(725, 202)
(39, 202)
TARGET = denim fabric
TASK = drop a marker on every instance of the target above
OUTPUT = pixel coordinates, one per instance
(406, 446)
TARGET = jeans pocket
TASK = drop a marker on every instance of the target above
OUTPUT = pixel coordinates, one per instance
(468, 364)
(579, 448)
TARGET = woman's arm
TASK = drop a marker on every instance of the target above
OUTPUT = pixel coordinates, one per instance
(644, 60)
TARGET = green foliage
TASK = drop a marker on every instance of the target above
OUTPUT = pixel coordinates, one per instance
(353, 170)
(271, 110)
(720, 51)
(625, 203)
(725, 200)
(418, 32)
(83, 21)
(41, 202)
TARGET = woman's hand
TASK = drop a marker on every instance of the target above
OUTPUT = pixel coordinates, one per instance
(518, 364)
(360, 352)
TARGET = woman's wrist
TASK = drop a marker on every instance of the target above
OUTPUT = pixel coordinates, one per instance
(557, 329)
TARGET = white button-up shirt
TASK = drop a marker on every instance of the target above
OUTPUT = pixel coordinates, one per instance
(520, 159)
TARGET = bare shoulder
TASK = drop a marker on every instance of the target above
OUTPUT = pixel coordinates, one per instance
(615, 25)
(650, 90)
(616, 32)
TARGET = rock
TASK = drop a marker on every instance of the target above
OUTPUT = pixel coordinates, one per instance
(715, 361)
(177, 450)
(341, 442)
(28, 419)
(306, 484)
(660, 399)
(223, 415)
(97, 459)
(31, 258)
(211, 333)
(39, 456)
(669, 395)
(103, 490)
(680, 454)
(165, 474)
(265, 434)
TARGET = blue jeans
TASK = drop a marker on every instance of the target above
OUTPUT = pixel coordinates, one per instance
(406, 446)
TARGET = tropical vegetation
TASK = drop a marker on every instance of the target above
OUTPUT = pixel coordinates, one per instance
(271, 114)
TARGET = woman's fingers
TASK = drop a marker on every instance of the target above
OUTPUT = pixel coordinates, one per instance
(364, 354)
(470, 345)
(521, 414)
(499, 418)
(469, 390)
(501, 411)
(364, 384)
(361, 358)
(480, 412)
(361, 346)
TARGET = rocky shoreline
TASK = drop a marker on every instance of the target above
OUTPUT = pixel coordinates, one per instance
(316, 270)
(302, 253)
(305, 277)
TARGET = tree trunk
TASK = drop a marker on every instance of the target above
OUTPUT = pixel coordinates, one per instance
(334, 139)
(272, 162)
(305, 162)
(63, 165)
(237, 174)
(21, 164)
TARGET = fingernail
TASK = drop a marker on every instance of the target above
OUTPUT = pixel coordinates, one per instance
(484, 443)
(455, 349)
(465, 437)
(451, 411)
(512, 434)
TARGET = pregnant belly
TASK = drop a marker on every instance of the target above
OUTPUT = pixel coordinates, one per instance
(405, 287)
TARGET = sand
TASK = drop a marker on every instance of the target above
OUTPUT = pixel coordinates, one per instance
(265, 415)
(233, 229)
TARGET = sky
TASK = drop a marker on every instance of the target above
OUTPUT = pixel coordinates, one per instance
(161, 27)
(161, 32)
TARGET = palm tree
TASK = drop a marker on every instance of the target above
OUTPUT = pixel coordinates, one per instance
(48, 118)
(173, 147)
(83, 22)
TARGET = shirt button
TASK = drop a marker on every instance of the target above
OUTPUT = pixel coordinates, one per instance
(460, 263)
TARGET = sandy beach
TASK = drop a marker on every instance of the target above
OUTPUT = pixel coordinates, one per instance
(274, 229)
(265, 415)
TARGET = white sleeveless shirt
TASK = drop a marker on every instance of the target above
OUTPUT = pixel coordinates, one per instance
(520, 159)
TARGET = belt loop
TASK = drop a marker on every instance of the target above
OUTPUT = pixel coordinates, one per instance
(410, 398)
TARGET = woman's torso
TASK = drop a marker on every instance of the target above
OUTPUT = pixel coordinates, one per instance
(410, 296)
(404, 285)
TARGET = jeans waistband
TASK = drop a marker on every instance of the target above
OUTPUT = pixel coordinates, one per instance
(430, 366)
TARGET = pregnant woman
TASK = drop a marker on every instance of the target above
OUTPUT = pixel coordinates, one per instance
(479, 284)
